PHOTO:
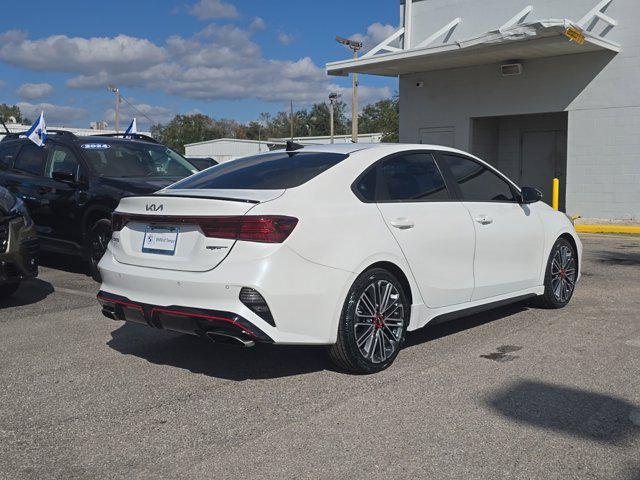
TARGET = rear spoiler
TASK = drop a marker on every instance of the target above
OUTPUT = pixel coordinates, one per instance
(227, 199)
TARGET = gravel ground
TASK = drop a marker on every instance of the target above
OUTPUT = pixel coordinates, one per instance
(514, 393)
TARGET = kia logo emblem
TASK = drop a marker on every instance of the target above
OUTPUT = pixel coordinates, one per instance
(155, 208)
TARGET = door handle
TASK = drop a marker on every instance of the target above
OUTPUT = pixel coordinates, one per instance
(402, 223)
(43, 190)
(484, 220)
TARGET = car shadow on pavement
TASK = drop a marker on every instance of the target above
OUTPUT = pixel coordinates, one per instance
(228, 362)
(66, 263)
(576, 412)
(31, 291)
(451, 327)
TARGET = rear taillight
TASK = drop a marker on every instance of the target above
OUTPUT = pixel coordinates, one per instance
(266, 229)
(250, 228)
(118, 221)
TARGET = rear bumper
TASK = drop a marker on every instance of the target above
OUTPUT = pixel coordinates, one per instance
(305, 299)
(192, 321)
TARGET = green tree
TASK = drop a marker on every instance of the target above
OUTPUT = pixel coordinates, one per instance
(7, 111)
(194, 128)
(382, 116)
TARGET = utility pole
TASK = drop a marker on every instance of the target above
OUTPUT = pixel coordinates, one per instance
(356, 47)
(332, 99)
(291, 121)
(116, 90)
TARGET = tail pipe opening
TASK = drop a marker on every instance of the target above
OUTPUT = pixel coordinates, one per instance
(229, 338)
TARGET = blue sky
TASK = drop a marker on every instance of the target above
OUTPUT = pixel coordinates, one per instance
(225, 58)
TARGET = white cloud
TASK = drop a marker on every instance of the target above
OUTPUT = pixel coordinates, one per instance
(34, 91)
(258, 24)
(127, 113)
(58, 115)
(209, 9)
(376, 33)
(219, 62)
(366, 95)
(75, 54)
(285, 38)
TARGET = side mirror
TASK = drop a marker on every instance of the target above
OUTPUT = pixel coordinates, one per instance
(66, 177)
(530, 195)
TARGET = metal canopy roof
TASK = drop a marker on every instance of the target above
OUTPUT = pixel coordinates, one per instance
(524, 41)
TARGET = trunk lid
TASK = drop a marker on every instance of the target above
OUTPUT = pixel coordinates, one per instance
(161, 231)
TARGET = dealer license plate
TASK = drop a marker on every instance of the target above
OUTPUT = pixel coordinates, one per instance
(160, 240)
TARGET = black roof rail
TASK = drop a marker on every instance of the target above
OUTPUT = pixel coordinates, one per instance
(132, 136)
(61, 132)
(10, 136)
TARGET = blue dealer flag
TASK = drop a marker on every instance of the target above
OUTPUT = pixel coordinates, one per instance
(38, 131)
(132, 128)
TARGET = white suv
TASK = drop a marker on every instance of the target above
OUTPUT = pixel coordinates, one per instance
(349, 246)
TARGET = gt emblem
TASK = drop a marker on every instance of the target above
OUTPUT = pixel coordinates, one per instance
(155, 208)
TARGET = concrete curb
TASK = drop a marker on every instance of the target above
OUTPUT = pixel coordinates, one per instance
(632, 229)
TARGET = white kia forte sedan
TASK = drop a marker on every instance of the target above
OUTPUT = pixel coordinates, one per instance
(348, 246)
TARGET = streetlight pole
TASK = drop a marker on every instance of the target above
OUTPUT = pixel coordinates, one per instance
(354, 104)
(116, 90)
(356, 47)
(332, 99)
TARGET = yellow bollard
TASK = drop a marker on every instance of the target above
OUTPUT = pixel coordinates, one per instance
(555, 200)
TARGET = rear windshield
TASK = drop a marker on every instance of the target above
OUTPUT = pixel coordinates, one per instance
(132, 159)
(273, 171)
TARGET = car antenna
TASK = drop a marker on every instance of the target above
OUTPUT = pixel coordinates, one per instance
(293, 146)
(5, 127)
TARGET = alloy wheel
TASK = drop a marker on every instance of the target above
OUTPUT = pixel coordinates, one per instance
(99, 242)
(563, 273)
(379, 321)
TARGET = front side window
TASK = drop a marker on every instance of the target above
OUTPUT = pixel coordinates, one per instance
(412, 177)
(61, 159)
(273, 171)
(30, 159)
(477, 183)
(131, 159)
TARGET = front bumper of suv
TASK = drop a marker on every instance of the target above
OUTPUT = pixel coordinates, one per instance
(19, 248)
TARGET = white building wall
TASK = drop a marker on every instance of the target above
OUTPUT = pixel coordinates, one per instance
(599, 90)
(224, 150)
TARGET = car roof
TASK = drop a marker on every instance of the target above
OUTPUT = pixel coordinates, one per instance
(349, 148)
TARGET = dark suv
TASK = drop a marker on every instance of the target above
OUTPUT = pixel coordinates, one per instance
(72, 185)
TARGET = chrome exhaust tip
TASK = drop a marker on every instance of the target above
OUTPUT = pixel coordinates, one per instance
(228, 338)
(109, 314)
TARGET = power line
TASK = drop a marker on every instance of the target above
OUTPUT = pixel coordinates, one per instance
(153, 122)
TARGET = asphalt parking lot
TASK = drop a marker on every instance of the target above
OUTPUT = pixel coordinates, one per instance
(515, 393)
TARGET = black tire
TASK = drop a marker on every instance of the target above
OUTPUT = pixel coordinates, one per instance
(8, 289)
(384, 336)
(560, 276)
(97, 241)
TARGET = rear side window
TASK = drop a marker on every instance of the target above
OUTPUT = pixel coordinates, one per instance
(274, 171)
(8, 153)
(412, 177)
(61, 159)
(30, 159)
(477, 183)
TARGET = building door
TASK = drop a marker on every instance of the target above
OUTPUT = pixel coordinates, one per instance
(544, 157)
